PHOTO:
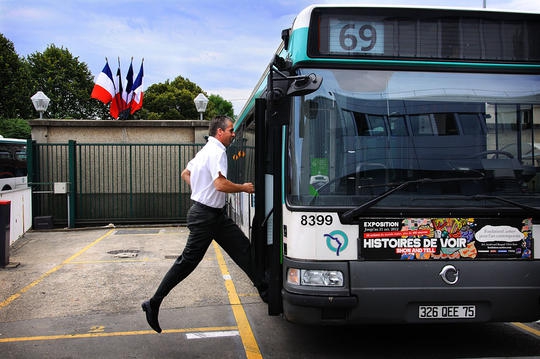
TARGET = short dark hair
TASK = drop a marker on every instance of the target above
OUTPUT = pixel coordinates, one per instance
(218, 122)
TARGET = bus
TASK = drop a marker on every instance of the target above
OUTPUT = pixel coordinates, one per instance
(395, 153)
(13, 169)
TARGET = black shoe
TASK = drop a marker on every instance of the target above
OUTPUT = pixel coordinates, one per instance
(151, 315)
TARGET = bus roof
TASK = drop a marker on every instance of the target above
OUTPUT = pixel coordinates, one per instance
(303, 18)
(12, 140)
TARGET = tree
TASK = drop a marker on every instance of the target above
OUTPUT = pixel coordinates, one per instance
(217, 105)
(15, 83)
(67, 82)
(173, 100)
(15, 128)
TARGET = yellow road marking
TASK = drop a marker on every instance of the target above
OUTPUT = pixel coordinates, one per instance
(51, 271)
(115, 261)
(527, 328)
(114, 334)
(246, 334)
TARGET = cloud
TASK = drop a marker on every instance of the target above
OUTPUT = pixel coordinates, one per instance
(522, 5)
(223, 46)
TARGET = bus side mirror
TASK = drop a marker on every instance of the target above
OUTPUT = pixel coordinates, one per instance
(281, 84)
(285, 36)
(304, 85)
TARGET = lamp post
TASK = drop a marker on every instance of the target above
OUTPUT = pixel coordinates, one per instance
(41, 102)
(200, 103)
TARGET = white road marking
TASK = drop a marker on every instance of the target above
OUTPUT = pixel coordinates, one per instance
(206, 335)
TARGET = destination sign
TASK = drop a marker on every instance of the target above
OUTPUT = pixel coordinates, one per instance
(433, 34)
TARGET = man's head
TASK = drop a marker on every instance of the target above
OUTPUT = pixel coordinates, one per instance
(221, 127)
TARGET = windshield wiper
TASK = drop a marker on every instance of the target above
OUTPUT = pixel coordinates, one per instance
(349, 215)
(479, 197)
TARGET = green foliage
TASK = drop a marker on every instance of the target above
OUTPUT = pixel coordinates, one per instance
(173, 100)
(66, 81)
(217, 106)
(15, 83)
(15, 128)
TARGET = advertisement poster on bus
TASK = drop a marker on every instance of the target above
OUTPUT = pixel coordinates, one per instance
(445, 238)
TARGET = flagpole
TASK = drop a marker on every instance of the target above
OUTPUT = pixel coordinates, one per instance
(114, 87)
(119, 74)
(130, 93)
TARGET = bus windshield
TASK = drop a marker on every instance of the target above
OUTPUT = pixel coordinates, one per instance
(452, 137)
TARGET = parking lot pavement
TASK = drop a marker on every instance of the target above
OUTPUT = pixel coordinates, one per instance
(78, 293)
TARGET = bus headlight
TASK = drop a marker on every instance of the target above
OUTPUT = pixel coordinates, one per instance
(315, 277)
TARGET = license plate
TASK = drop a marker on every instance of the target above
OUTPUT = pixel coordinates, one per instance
(447, 311)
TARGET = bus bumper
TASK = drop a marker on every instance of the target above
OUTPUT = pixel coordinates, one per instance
(312, 309)
(396, 292)
(320, 302)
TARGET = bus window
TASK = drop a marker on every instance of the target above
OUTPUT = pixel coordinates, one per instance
(397, 126)
(20, 155)
(421, 125)
(471, 124)
(12, 163)
(446, 124)
(369, 125)
(436, 124)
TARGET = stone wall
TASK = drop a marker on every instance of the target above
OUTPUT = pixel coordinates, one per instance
(97, 131)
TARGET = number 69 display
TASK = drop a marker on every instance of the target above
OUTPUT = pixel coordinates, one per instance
(349, 36)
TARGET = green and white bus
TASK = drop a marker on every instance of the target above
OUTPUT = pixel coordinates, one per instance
(395, 153)
(13, 170)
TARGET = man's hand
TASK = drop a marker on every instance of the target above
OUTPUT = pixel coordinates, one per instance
(248, 187)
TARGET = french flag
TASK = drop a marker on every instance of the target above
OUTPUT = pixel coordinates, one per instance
(137, 98)
(118, 105)
(104, 89)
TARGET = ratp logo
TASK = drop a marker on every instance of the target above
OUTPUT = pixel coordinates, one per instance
(337, 241)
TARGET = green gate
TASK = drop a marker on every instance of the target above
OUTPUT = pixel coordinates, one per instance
(109, 183)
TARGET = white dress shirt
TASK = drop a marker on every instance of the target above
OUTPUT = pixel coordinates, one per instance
(204, 169)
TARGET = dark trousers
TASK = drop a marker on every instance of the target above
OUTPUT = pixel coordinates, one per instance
(206, 224)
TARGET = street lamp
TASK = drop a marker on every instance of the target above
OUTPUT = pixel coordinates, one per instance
(200, 103)
(41, 102)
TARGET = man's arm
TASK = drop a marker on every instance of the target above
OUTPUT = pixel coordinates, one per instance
(222, 184)
(186, 176)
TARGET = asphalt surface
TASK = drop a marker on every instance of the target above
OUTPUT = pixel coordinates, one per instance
(78, 294)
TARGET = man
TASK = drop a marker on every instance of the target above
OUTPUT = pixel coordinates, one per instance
(206, 174)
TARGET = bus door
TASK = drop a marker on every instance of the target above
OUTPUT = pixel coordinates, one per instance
(271, 117)
(266, 235)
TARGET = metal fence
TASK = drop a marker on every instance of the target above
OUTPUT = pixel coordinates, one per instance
(110, 183)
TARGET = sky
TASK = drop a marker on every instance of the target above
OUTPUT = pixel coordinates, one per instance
(221, 45)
